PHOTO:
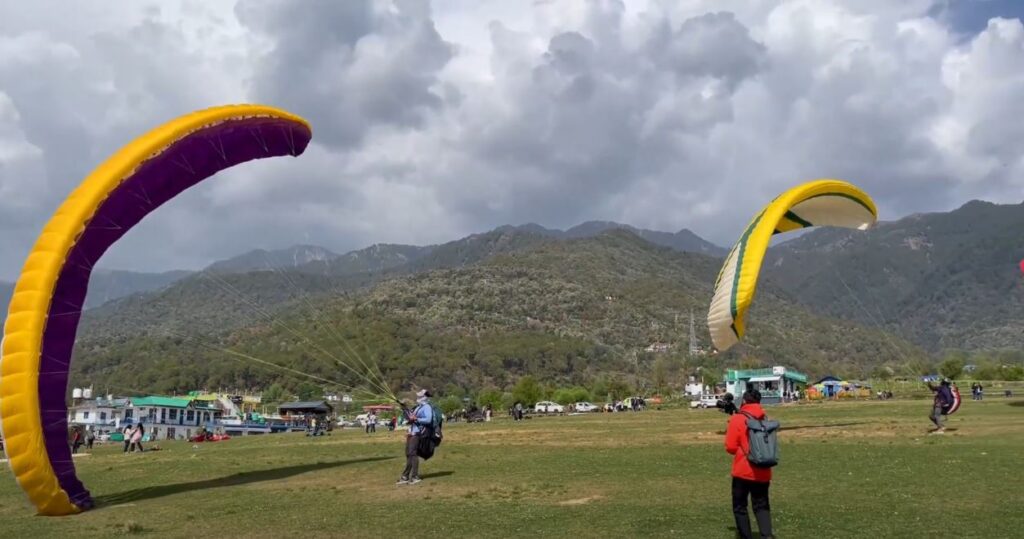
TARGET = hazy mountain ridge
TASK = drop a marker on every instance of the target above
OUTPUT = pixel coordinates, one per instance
(264, 260)
(564, 311)
(943, 280)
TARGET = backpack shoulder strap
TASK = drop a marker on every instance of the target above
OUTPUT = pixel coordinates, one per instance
(751, 416)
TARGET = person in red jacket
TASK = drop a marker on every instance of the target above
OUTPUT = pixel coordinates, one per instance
(747, 480)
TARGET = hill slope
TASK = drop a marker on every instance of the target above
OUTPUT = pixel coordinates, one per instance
(684, 240)
(263, 260)
(944, 280)
(564, 311)
(108, 285)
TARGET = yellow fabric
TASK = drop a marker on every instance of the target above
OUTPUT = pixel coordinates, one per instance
(827, 202)
(30, 305)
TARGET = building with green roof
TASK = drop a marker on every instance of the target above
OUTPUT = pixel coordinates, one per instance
(173, 417)
(166, 402)
(776, 384)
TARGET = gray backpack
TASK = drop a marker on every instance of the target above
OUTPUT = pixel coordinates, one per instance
(764, 441)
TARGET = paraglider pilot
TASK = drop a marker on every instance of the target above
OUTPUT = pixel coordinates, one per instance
(726, 404)
(943, 400)
(419, 420)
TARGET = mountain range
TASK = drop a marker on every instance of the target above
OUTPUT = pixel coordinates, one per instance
(567, 311)
(373, 262)
(942, 280)
(567, 306)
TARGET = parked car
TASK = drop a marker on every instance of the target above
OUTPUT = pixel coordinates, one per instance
(585, 407)
(705, 401)
(344, 422)
(548, 407)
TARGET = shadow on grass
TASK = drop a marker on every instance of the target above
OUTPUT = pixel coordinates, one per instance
(801, 427)
(244, 478)
(436, 474)
(1016, 403)
(829, 426)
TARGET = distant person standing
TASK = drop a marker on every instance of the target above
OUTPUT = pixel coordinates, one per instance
(940, 404)
(90, 438)
(136, 438)
(127, 437)
(748, 480)
(419, 419)
(76, 439)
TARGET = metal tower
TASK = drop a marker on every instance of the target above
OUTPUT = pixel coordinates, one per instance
(693, 336)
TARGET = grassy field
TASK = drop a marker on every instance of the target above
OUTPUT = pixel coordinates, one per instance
(858, 468)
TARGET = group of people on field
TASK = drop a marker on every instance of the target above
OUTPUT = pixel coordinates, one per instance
(80, 437)
(751, 470)
(133, 438)
(749, 481)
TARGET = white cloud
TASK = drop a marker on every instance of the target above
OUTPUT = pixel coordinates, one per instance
(435, 122)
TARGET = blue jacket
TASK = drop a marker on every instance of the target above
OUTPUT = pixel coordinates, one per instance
(943, 395)
(423, 416)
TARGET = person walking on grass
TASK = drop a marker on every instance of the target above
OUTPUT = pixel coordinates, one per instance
(420, 420)
(940, 405)
(748, 480)
(137, 433)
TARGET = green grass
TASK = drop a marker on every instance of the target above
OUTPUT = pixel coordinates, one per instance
(860, 468)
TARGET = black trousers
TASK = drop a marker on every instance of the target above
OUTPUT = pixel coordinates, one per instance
(412, 458)
(758, 493)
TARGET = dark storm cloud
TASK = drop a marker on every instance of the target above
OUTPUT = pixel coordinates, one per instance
(352, 65)
(432, 122)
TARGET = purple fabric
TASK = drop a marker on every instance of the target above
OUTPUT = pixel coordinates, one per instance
(182, 165)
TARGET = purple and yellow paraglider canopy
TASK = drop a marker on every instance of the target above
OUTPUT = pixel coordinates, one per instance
(43, 316)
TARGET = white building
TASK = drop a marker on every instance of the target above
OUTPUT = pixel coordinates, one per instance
(658, 347)
(102, 416)
(696, 388)
(175, 418)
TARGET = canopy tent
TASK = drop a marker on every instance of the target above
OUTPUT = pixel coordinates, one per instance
(830, 386)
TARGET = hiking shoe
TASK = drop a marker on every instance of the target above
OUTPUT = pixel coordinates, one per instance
(414, 480)
(939, 431)
(402, 481)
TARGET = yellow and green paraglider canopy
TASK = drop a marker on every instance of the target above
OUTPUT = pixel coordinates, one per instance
(817, 203)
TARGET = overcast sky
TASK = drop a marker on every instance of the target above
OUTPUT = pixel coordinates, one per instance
(435, 121)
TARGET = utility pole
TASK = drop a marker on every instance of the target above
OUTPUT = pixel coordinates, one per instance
(693, 337)
(636, 369)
